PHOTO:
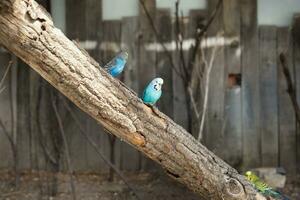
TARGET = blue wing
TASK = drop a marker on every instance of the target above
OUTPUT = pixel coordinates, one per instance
(121, 55)
(117, 64)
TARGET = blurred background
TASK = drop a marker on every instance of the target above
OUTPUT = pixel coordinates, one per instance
(223, 83)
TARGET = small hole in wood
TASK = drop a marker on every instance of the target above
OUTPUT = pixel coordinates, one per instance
(173, 174)
(43, 27)
(234, 80)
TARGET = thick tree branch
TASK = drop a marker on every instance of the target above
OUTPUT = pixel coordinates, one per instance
(27, 31)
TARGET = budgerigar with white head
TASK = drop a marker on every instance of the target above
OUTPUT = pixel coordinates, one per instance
(153, 91)
(117, 64)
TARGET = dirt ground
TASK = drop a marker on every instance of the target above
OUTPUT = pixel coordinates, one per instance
(157, 186)
(37, 186)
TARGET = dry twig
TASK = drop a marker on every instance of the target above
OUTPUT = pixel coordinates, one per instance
(4, 76)
(167, 53)
(206, 91)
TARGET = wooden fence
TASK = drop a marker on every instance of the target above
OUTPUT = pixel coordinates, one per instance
(250, 118)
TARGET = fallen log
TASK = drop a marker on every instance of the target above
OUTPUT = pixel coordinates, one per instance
(28, 31)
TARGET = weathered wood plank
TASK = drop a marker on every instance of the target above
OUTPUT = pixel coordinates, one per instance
(111, 34)
(93, 26)
(23, 117)
(216, 96)
(268, 95)
(197, 18)
(233, 112)
(74, 10)
(5, 113)
(180, 112)
(130, 157)
(250, 92)
(86, 30)
(232, 29)
(163, 65)
(287, 120)
(296, 46)
(146, 59)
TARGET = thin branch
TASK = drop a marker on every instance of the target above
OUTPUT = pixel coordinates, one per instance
(2, 89)
(201, 31)
(290, 86)
(167, 53)
(179, 43)
(97, 150)
(194, 105)
(67, 152)
(206, 92)
(4, 76)
(8, 136)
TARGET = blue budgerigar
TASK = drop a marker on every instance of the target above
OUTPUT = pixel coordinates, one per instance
(117, 64)
(153, 91)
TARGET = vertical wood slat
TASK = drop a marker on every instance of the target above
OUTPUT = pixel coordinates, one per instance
(34, 88)
(197, 18)
(250, 92)
(216, 95)
(93, 22)
(296, 40)
(163, 65)
(147, 58)
(287, 121)
(180, 113)
(5, 113)
(111, 36)
(268, 95)
(36, 83)
(23, 117)
(232, 119)
(75, 19)
(130, 157)
(76, 11)
(93, 32)
(84, 24)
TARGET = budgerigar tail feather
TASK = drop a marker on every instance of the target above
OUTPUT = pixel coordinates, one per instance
(276, 195)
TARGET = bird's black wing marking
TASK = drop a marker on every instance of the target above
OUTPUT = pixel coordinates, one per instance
(110, 63)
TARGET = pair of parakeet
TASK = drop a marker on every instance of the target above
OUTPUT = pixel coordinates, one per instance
(262, 187)
(152, 92)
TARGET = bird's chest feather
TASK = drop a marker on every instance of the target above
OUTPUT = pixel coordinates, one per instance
(151, 95)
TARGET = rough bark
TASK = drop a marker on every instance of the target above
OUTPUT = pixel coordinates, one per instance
(28, 32)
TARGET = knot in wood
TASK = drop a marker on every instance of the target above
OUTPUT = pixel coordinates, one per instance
(234, 189)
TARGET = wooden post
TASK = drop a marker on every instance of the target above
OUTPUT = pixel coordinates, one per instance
(268, 95)
(146, 58)
(296, 48)
(287, 120)
(232, 125)
(130, 157)
(250, 92)
(216, 95)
